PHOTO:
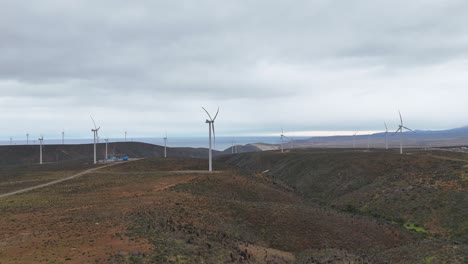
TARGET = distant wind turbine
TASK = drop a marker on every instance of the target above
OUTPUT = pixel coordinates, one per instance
(354, 139)
(368, 142)
(400, 129)
(282, 140)
(386, 136)
(232, 146)
(125, 136)
(41, 141)
(107, 141)
(27, 138)
(95, 133)
(210, 123)
(63, 136)
(165, 146)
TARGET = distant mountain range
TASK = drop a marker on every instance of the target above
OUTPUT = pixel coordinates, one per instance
(416, 139)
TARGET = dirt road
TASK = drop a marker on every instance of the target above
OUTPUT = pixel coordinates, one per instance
(59, 180)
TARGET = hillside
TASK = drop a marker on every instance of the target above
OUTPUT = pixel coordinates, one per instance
(427, 189)
(29, 154)
(255, 147)
(308, 206)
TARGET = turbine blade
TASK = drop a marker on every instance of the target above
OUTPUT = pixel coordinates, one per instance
(216, 114)
(207, 113)
(386, 128)
(401, 119)
(398, 130)
(408, 129)
(93, 122)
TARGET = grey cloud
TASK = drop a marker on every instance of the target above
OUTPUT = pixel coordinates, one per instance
(86, 55)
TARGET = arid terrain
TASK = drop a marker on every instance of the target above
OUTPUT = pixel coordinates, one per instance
(303, 206)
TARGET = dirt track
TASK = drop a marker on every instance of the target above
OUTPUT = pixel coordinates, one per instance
(58, 181)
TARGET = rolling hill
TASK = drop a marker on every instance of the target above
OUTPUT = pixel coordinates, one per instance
(29, 154)
(425, 188)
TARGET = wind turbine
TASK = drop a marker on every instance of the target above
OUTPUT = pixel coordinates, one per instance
(400, 129)
(95, 133)
(232, 146)
(368, 142)
(11, 141)
(125, 136)
(354, 139)
(165, 145)
(107, 141)
(210, 123)
(386, 136)
(63, 136)
(282, 138)
(41, 141)
(27, 138)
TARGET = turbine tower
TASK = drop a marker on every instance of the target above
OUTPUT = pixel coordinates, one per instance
(282, 138)
(27, 138)
(41, 141)
(232, 146)
(63, 136)
(400, 129)
(354, 139)
(125, 136)
(107, 141)
(165, 145)
(95, 133)
(386, 136)
(210, 123)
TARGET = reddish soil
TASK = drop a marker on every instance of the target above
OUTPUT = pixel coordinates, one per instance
(79, 227)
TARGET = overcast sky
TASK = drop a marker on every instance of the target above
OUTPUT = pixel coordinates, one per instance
(148, 66)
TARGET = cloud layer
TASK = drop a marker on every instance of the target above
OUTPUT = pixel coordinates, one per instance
(147, 66)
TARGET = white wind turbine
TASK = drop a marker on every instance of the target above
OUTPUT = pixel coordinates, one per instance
(368, 142)
(165, 145)
(41, 141)
(400, 129)
(210, 123)
(107, 142)
(282, 139)
(232, 146)
(95, 133)
(386, 136)
(354, 139)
